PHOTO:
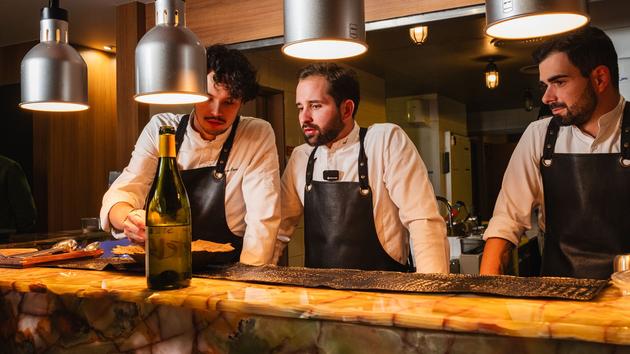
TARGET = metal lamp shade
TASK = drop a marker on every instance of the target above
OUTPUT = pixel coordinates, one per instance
(53, 74)
(324, 29)
(170, 60)
(518, 19)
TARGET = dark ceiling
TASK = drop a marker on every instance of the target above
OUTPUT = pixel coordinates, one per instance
(453, 59)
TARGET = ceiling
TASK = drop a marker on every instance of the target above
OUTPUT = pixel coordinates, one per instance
(451, 62)
(453, 59)
(92, 22)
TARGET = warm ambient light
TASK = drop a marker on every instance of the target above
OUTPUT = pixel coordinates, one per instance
(536, 26)
(419, 34)
(54, 106)
(170, 98)
(324, 49)
(520, 19)
(492, 76)
(109, 48)
(324, 29)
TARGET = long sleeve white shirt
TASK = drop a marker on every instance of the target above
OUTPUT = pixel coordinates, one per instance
(252, 192)
(403, 198)
(522, 188)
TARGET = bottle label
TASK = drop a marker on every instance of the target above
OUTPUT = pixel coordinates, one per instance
(168, 257)
(168, 241)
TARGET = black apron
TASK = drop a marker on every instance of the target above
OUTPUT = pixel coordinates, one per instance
(339, 230)
(206, 192)
(587, 205)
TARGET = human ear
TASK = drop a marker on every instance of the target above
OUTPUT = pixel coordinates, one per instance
(347, 107)
(600, 78)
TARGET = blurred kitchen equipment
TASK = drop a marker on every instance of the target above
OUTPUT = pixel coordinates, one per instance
(621, 263)
(90, 225)
(622, 280)
(446, 211)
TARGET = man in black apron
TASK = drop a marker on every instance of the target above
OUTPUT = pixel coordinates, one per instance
(343, 172)
(228, 164)
(575, 164)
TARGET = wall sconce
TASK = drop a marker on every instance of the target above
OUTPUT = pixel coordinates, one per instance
(170, 60)
(53, 74)
(419, 34)
(518, 19)
(492, 75)
(324, 29)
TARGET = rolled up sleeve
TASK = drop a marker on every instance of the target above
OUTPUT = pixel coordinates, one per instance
(261, 192)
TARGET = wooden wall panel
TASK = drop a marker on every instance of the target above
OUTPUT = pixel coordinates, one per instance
(72, 152)
(132, 116)
(223, 21)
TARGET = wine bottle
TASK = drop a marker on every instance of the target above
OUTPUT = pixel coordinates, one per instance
(168, 246)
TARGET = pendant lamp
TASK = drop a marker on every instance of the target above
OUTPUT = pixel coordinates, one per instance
(419, 34)
(492, 75)
(53, 74)
(518, 19)
(170, 60)
(324, 29)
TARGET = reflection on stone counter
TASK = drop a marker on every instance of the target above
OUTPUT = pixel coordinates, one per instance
(101, 312)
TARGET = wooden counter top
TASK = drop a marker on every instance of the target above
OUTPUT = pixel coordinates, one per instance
(605, 319)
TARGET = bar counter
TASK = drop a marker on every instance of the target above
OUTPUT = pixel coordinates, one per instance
(70, 310)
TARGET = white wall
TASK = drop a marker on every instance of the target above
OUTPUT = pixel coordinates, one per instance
(621, 39)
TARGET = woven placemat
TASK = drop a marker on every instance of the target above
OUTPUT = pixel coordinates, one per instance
(349, 279)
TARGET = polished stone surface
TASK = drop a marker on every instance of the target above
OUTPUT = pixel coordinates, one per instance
(604, 320)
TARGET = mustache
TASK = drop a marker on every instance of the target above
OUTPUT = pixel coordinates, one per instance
(555, 105)
(215, 118)
(311, 126)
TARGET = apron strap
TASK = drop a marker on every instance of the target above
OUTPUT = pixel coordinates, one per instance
(363, 164)
(309, 169)
(181, 131)
(225, 150)
(625, 136)
(550, 140)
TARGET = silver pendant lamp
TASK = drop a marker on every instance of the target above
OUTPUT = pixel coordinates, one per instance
(519, 19)
(170, 60)
(53, 74)
(324, 29)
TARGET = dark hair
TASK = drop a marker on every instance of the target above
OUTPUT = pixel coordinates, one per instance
(232, 70)
(587, 48)
(343, 83)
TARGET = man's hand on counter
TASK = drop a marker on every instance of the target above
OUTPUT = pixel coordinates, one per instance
(134, 225)
(130, 220)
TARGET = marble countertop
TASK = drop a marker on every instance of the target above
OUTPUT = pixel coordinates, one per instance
(605, 319)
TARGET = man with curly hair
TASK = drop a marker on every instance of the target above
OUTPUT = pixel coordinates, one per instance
(228, 163)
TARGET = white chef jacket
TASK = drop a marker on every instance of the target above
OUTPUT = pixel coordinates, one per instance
(522, 188)
(403, 198)
(252, 193)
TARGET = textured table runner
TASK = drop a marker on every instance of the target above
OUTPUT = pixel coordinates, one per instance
(349, 279)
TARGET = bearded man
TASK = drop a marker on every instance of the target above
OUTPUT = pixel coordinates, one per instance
(573, 166)
(364, 192)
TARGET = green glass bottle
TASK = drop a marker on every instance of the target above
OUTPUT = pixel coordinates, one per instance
(168, 246)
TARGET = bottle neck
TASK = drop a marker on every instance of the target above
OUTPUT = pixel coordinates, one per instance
(167, 145)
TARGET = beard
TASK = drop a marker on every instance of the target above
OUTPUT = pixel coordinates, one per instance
(581, 111)
(324, 135)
